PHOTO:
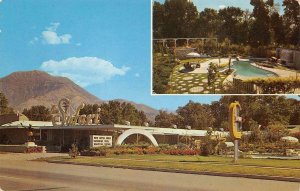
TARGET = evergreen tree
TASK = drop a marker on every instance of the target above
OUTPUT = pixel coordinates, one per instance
(4, 108)
(260, 34)
(231, 25)
(292, 21)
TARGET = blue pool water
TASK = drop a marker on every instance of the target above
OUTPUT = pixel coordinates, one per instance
(244, 68)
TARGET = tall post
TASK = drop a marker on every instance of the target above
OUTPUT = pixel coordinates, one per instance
(63, 141)
(40, 134)
(236, 150)
(235, 126)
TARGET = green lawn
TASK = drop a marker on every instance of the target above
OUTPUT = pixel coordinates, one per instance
(270, 167)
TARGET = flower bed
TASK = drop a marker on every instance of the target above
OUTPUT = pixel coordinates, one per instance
(277, 147)
(34, 150)
(103, 151)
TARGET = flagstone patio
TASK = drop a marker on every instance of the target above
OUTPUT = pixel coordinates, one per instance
(193, 83)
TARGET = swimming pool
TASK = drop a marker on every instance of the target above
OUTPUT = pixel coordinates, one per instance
(245, 69)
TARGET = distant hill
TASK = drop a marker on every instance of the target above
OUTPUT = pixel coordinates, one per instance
(26, 89)
(149, 111)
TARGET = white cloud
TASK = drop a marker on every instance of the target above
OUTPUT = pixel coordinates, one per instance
(84, 71)
(34, 40)
(50, 35)
(53, 26)
(137, 75)
(0, 1)
(78, 44)
(222, 6)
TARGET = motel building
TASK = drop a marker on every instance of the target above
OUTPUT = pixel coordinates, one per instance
(17, 131)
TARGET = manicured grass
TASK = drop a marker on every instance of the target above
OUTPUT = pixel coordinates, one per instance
(270, 167)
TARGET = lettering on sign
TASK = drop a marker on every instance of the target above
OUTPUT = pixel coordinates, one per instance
(100, 141)
(62, 116)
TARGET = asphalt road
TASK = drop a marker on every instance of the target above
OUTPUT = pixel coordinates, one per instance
(17, 173)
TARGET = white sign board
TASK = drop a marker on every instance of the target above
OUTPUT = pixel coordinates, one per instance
(100, 141)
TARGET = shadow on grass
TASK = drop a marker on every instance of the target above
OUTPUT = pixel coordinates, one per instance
(52, 188)
(212, 161)
(186, 70)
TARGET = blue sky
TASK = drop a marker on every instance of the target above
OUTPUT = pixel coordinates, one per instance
(103, 45)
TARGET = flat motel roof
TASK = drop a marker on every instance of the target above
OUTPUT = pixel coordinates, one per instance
(153, 130)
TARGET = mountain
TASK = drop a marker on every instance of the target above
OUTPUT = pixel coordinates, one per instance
(149, 111)
(26, 89)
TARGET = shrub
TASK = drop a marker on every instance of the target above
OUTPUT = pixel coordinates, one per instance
(180, 152)
(261, 52)
(166, 147)
(151, 150)
(297, 135)
(96, 151)
(275, 147)
(73, 152)
(206, 149)
(65, 148)
(274, 85)
(182, 146)
(162, 69)
(129, 149)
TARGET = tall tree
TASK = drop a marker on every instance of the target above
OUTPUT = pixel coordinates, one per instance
(207, 23)
(180, 18)
(295, 116)
(196, 115)
(38, 113)
(158, 19)
(292, 21)
(261, 109)
(260, 34)
(4, 108)
(115, 112)
(89, 109)
(277, 28)
(231, 24)
(165, 119)
(131, 114)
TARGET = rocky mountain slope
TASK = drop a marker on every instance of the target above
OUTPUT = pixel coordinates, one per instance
(26, 89)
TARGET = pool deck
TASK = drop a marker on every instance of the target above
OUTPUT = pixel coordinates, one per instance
(279, 72)
(205, 65)
(190, 82)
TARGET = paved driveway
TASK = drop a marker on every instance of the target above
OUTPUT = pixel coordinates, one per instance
(19, 174)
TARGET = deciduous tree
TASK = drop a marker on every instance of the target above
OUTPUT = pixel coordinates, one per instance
(38, 113)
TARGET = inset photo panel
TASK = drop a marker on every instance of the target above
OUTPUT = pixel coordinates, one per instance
(217, 47)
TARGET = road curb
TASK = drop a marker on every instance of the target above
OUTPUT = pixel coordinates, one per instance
(262, 177)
